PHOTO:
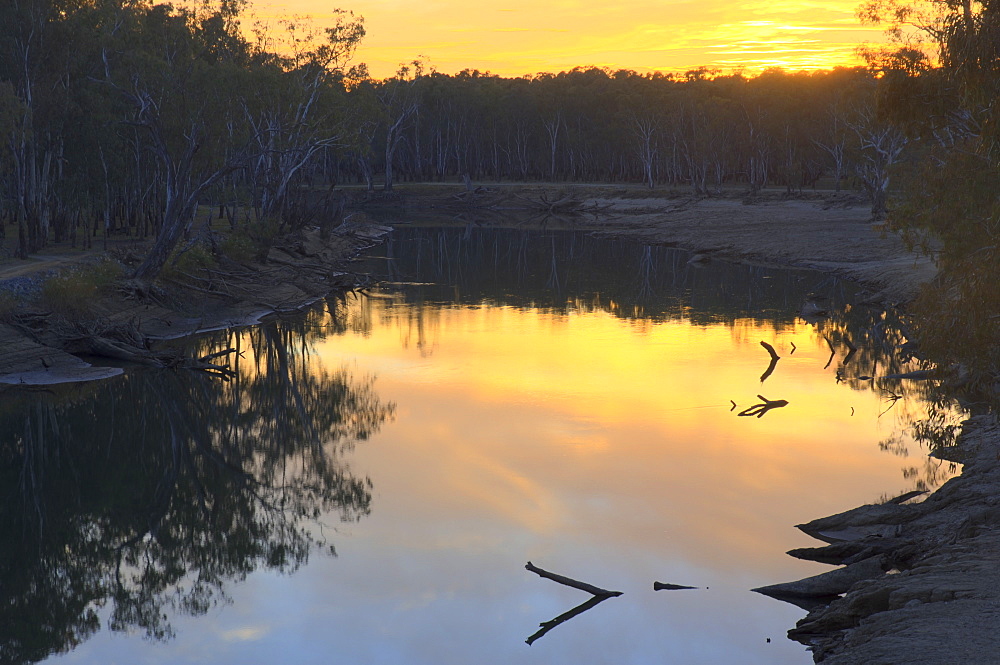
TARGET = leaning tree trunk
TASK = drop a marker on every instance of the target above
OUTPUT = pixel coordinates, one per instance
(170, 234)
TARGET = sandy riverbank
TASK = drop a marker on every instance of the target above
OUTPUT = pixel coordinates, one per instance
(826, 231)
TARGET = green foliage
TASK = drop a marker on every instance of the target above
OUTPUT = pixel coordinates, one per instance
(76, 291)
(189, 259)
(949, 203)
(951, 210)
(262, 234)
(238, 247)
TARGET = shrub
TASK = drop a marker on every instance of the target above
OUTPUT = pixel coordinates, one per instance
(238, 247)
(262, 234)
(75, 291)
(187, 260)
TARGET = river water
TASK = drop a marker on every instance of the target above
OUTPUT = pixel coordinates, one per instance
(369, 485)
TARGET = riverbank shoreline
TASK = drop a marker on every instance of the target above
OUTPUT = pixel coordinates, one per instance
(40, 346)
(916, 581)
(919, 581)
(826, 231)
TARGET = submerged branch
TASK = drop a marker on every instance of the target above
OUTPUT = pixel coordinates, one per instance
(766, 405)
(660, 586)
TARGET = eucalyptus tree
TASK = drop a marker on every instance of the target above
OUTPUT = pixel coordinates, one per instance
(182, 95)
(594, 100)
(47, 50)
(950, 198)
(879, 145)
(399, 97)
(297, 107)
(758, 152)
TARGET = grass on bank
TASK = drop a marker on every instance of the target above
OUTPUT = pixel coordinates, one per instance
(75, 291)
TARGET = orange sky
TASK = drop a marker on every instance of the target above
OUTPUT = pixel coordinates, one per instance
(516, 37)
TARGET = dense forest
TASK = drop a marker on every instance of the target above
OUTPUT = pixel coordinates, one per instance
(124, 116)
(121, 117)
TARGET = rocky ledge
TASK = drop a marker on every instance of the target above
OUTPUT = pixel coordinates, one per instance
(920, 581)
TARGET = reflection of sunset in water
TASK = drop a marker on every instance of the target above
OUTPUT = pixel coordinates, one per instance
(593, 441)
(609, 448)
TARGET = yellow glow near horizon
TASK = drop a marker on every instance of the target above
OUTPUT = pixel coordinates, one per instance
(518, 37)
(529, 421)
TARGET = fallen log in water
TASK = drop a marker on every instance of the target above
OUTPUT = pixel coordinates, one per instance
(570, 582)
(774, 361)
(600, 595)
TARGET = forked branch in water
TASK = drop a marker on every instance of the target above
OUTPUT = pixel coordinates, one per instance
(600, 595)
(546, 626)
(766, 405)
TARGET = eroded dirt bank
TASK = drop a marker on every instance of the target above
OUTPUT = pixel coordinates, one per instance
(831, 232)
(39, 346)
(920, 582)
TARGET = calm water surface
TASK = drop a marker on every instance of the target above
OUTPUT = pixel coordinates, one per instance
(370, 486)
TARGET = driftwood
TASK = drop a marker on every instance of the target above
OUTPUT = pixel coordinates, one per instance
(95, 345)
(766, 405)
(599, 596)
(217, 354)
(660, 586)
(567, 581)
(851, 351)
(774, 361)
(833, 352)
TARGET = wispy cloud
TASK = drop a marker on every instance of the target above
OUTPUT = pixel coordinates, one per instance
(248, 634)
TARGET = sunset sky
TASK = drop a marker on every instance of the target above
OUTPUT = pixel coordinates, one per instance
(516, 37)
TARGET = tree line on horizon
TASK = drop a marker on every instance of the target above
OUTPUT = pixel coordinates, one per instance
(123, 117)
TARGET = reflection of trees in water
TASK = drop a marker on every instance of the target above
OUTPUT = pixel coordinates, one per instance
(575, 272)
(151, 492)
(871, 343)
